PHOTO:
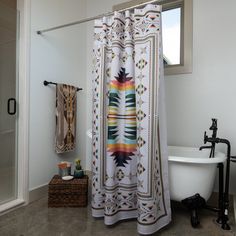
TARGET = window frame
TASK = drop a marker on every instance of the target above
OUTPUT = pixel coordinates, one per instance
(186, 35)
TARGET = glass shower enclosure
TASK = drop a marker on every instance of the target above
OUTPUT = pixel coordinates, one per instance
(8, 101)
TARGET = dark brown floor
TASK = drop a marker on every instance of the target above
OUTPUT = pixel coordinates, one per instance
(37, 220)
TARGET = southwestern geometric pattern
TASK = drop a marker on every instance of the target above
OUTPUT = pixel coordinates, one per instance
(130, 172)
(65, 137)
(122, 145)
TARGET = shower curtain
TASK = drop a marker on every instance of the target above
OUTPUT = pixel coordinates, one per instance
(130, 172)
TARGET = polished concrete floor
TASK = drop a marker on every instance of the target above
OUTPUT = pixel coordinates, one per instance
(37, 219)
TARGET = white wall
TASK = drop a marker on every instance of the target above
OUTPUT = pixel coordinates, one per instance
(58, 56)
(210, 91)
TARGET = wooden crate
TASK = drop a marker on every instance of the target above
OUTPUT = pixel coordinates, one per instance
(72, 193)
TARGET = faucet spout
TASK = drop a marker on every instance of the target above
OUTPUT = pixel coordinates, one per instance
(204, 147)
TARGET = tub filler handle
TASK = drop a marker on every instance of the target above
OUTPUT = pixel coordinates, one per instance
(214, 129)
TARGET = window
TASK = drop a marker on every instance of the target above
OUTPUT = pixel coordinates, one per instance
(177, 33)
(171, 24)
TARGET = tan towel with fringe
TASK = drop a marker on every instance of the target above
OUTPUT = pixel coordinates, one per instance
(65, 118)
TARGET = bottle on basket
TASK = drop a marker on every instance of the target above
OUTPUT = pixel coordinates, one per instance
(78, 173)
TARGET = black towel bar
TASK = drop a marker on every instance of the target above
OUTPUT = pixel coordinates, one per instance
(47, 83)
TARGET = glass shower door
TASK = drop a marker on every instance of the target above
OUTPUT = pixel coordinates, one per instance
(8, 94)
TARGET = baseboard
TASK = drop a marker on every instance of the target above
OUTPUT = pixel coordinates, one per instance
(38, 193)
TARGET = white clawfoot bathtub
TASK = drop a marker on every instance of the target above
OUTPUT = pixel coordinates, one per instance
(192, 171)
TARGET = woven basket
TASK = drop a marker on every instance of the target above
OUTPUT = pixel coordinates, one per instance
(72, 193)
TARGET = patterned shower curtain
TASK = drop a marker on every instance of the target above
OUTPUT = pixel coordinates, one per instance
(130, 165)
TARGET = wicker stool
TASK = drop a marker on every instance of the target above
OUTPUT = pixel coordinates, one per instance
(72, 193)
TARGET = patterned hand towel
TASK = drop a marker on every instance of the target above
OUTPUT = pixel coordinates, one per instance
(65, 118)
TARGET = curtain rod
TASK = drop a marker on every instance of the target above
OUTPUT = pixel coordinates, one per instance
(40, 32)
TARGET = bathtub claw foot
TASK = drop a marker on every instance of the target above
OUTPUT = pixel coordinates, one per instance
(219, 220)
(194, 203)
(225, 226)
(194, 219)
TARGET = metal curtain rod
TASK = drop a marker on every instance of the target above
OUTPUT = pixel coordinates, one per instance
(100, 16)
(46, 83)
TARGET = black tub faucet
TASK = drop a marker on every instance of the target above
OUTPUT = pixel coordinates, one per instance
(214, 129)
(223, 186)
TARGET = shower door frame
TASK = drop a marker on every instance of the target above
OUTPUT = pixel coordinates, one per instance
(23, 39)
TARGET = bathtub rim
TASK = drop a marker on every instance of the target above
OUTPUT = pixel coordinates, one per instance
(220, 157)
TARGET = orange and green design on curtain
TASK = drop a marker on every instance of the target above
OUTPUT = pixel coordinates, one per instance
(122, 127)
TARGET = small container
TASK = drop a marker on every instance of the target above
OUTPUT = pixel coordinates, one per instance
(78, 173)
(64, 168)
(65, 172)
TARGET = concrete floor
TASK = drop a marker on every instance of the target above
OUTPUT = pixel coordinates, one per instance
(37, 219)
